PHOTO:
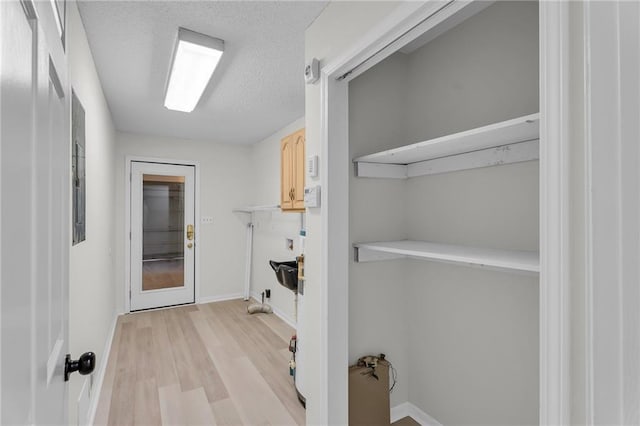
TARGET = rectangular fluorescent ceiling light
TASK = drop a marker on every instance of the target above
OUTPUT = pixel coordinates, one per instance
(195, 58)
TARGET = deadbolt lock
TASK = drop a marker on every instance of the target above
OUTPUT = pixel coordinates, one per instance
(189, 245)
(190, 232)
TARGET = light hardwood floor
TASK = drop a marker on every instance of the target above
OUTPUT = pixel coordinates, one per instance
(199, 365)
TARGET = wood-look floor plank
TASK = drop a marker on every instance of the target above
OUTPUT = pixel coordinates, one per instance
(164, 367)
(147, 403)
(188, 376)
(255, 398)
(224, 329)
(253, 395)
(199, 319)
(123, 393)
(265, 349)
(144, 354)
(200, 364)
(262, 333)
(104, 402)
(126, 318)
(171, 410)
(226, 413)
(196, 408)
(279, 327)
(143, 319)
(268, 361)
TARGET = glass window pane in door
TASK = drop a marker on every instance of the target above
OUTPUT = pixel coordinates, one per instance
(162, 232)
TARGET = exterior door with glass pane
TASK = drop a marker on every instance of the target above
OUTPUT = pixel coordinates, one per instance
(163, 235)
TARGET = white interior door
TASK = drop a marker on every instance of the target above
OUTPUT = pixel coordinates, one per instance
(35, 224)
(163, 235)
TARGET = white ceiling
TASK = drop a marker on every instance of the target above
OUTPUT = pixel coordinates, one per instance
(257, 89)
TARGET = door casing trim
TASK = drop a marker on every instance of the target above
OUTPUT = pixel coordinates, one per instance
(127, 217)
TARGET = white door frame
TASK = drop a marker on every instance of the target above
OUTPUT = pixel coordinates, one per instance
(127, 215)
(609, 187)
(377, 44)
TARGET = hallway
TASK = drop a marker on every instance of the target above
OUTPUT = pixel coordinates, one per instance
(199, 364)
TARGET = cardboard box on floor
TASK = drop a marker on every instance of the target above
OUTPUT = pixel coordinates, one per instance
(368, 396)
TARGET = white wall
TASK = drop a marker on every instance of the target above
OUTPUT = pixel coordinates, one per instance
(335, 31)
(378, 302)
(271, 228)
(225, 183)
(472, 335)
(91, 272)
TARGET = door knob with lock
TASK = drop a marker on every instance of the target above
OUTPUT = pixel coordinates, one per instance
(83, 365)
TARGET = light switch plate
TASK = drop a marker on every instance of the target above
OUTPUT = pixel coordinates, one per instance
(312, 166)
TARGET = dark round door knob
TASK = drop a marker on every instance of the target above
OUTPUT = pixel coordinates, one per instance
(84, 365)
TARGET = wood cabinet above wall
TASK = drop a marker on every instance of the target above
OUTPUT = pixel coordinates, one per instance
(292, 172)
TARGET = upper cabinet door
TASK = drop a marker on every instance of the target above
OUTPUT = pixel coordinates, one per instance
(292, 172)
(298, 169)
(286, 173)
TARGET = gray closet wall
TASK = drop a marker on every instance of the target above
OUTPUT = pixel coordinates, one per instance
(464, 340)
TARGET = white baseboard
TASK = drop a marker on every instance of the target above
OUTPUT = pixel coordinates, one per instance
(220, 298)
(94, 395)
(408, 409)
(284, 317)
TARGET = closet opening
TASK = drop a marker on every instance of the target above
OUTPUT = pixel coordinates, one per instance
(442, 130)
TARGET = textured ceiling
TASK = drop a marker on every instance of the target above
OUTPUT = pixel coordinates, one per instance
(257, 89)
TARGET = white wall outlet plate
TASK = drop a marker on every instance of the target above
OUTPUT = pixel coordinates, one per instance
(206, 219)
(312, 196)
(312, 71)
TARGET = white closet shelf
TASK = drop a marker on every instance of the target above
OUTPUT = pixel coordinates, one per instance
(251, 209)
(515, 260)
(510, 141)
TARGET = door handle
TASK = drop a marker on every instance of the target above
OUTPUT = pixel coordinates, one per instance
(190, 232)
(83, 365)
